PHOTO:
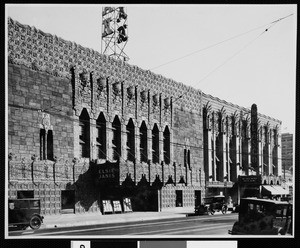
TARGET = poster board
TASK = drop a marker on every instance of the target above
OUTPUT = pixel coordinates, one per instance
(127, 205)
(117, 207)
(107, 206)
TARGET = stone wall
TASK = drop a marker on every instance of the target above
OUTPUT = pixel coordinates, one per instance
(47, 179)
(38, 101)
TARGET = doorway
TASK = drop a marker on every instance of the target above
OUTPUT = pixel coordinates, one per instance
(67, 201)
(197, 198)
(179, 198)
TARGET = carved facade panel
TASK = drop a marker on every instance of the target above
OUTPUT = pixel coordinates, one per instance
(143, 104)
(45, 52)
(130, 100)
(44, 121)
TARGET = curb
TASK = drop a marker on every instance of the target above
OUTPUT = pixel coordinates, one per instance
(61, 223)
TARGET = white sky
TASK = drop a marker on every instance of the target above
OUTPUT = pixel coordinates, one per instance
(245, 70)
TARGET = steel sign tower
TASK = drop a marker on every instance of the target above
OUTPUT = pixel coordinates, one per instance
(114, 35)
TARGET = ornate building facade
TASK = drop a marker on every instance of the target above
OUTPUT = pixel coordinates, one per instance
(239, 142)
(84, 129)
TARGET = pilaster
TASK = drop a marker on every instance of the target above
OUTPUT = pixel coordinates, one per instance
(124, 150)
(109, 138)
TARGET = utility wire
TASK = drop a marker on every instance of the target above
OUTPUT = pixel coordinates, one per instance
(234, 55)
(248, 44)
(218, 43)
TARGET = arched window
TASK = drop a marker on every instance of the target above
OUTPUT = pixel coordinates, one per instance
(116, 141)
(130, 140)
(143, 143)
(155, 144)
(84, 134)
(101, 136)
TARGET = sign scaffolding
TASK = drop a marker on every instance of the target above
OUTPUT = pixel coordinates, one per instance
(114, 36)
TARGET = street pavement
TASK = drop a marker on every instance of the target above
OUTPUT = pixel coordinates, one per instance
(69, 220)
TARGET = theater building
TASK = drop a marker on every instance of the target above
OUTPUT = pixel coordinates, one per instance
(87, 133)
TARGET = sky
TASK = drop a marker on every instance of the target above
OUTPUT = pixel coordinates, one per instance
(242, 54)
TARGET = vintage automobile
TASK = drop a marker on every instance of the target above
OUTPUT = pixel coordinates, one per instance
(24, 212)
(263, 217)
(212, 204)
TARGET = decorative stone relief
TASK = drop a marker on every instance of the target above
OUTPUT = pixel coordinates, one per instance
(116, 96)
(100, 94)
(143, 104)
(155, 102)
(167, 110)
(45, 52)
(67, 169)
(130, 93)
(144, 94)
(229, 126)
(44, 121)
(215, 124)
(131, 101)
(101, 86)
(85, 85)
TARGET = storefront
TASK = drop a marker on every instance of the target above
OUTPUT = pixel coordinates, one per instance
(273, 191)
(249, 186)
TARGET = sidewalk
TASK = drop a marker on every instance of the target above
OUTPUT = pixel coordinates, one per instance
(68, 220)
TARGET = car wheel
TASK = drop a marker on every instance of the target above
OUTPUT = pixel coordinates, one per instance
(35, 222)
(224, 210)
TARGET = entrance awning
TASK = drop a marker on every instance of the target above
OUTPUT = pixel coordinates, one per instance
(281, 190)
(274, 190)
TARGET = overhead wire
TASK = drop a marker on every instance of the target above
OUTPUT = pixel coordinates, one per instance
(218, 43)
(270, 25)
(231, 57)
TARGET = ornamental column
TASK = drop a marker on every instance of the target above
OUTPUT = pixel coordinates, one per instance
(279, 159)
(270, 158)
(138, 143)
(93, 152)
(209, 154)
(260, 152)
(224, 155)
(160, 145)
(124, 150)
(214, 156)
(109, 138)
(149, 142)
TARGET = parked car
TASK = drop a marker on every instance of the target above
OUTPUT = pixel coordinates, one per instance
(25, 212)
(211, 205)
(263, 217)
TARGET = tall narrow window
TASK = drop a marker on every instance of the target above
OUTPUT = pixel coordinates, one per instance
(189, 159)
(46, 144)
(42, 144)
(101, 136)
(50, 145)
(116, 125)
(84, 134)
(130, 141)
(155, 144)
(167, 145)
(185, 158)
(143, 143)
